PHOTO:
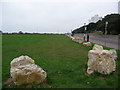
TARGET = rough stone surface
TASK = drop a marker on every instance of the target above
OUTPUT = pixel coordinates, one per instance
(25, 71)
(87, 44)
(77, 40)
(102, 61)
(70, 36)
(97, 47)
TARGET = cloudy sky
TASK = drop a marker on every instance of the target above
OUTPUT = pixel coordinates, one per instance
(51, 15)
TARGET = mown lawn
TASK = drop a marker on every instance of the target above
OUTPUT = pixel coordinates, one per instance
(64, 61)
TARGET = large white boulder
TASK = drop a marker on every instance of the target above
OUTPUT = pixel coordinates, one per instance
(102, 61)
(25, 71)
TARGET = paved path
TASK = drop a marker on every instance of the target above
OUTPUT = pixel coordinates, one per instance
(112, 41)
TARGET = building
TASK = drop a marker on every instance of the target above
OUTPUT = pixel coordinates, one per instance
(95, 19)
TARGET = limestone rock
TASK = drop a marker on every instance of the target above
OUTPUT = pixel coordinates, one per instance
(72, 38)
(102, 61)
(25, 71)
(80, 41)
(77, 40)
(97, 47)
(87, 44)
(113, 53)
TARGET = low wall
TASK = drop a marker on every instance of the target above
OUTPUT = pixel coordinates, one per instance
(112, 41)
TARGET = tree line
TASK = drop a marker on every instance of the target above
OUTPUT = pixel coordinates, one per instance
(112, 27)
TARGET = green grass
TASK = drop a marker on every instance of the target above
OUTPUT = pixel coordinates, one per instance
(64, 60)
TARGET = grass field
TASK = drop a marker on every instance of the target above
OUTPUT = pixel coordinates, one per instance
(64, 61)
